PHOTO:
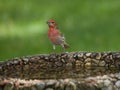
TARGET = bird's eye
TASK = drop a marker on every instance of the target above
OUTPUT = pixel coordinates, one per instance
(52, 22)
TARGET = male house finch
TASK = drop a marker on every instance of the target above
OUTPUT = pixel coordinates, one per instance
(55, 35)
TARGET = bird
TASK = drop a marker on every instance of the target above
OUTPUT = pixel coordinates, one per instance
(55, 36)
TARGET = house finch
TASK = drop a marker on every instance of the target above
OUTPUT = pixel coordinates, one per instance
(55, 35)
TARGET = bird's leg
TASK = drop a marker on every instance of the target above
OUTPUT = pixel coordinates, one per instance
(54, 47)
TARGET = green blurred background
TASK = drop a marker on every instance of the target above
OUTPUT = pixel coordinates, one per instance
(88, 25)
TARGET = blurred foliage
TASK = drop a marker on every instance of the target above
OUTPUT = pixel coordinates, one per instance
(88, 25)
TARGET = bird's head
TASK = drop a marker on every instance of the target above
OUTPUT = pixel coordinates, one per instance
(52, 23)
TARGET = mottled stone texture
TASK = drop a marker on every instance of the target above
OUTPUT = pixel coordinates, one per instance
(101, 82)
(59, 67)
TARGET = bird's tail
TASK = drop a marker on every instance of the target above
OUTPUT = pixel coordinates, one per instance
(66, 45)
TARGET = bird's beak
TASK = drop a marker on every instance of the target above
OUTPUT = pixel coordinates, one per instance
(49, 23)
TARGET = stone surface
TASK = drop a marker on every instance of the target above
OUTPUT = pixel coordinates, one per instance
(65, 71)
(102, 82)
(60, 65)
